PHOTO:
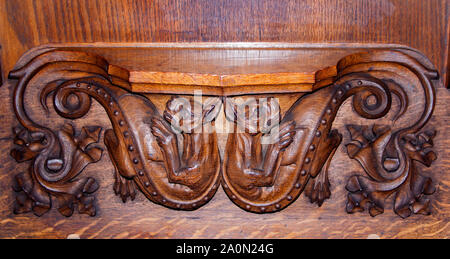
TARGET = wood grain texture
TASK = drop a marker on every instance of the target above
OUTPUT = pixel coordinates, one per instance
(415, 23)
(268, 181)
(447, 81)
(220, 79)
(141, 218)
(419, 24)
(218, 68)
(1, 75)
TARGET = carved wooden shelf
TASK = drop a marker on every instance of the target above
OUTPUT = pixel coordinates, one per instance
(267, 161)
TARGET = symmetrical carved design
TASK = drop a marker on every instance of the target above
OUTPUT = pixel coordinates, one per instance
(173, 158)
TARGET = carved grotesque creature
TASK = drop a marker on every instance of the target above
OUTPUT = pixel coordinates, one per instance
(269, 160)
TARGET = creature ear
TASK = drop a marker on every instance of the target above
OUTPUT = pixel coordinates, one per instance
(172, 108)
(270, 114)
(178, 113)
(211, 108)
(230, 109)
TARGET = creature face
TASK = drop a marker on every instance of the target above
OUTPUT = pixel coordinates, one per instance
(253, 115)
(188, 115)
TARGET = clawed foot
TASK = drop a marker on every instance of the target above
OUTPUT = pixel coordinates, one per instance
(163, 135)
(318, 190)
(123, 187)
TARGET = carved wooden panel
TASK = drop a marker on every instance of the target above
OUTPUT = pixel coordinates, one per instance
(269, 159)
(222, 93)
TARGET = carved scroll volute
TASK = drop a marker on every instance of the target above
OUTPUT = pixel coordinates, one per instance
(272, 183)
(173, 157)
(388, 153)
(141, 144)
(57, 157)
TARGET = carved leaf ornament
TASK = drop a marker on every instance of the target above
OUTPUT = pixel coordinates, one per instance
(173, 157)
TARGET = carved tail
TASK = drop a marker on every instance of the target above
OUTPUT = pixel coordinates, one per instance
(61, 156)
(51, 71)
(385, 154)
(74, 78)
(377, 75)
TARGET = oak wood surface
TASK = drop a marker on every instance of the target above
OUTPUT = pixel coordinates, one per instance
(26, 24)
(418, 24)
(220, 80)
(220, 218)
(218, 68)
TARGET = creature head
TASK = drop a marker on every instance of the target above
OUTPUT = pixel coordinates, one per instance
(253, 115)
(188, 114)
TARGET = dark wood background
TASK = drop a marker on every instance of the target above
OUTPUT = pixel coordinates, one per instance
(415, 23)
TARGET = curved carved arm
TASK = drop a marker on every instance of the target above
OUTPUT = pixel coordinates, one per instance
(200, 156)
(386, 156)
(57, 158)
(173, 159)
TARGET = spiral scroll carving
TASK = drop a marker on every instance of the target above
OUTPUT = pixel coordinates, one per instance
(172, 156)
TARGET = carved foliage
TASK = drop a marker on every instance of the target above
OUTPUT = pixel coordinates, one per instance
(388, 155)
(409, 188)
(305, 159)
(35, 192)
(173, 158)
(143, 147)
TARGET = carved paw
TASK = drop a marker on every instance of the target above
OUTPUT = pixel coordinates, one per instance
(190, 178)
(164, 136)
(124, 187)
(287, 132)
(318, 190)
(255, 178)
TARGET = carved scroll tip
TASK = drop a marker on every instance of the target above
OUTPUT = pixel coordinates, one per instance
(15, 74)
(432, 75)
